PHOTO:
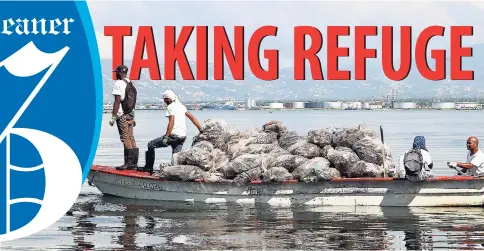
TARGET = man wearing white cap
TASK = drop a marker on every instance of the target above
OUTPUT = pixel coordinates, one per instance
(176, 133)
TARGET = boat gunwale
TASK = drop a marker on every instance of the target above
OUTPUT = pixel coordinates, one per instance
(145, 175)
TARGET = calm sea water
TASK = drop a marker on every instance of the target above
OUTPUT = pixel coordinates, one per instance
(101, 222)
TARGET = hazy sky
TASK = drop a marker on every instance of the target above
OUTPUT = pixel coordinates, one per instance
(285, 15)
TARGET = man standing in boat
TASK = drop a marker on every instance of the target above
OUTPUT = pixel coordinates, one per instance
(176, 132)
(125, 93)
(475, 158)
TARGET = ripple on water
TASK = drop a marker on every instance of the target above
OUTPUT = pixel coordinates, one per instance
(106, 223)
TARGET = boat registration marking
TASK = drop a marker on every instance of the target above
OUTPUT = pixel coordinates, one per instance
(140, 184)
(354, 190)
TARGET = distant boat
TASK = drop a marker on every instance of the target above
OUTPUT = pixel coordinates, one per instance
(219, 107)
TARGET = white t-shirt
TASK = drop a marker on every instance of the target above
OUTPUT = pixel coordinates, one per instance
(178, 110)
(477, 160)
(427, 159)
(119, 88)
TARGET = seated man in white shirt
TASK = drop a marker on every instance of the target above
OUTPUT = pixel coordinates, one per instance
(475, 159)
(176, 133)
(424, 164)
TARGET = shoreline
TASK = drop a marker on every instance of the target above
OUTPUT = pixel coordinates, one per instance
(310, 109)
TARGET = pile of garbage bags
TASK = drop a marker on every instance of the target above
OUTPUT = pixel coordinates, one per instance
(222, 153)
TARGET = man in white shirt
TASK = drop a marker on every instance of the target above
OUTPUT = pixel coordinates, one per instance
(125, 119)
(475, 158)
(176, 132)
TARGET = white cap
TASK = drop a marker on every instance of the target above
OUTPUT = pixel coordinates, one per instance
(169, 94)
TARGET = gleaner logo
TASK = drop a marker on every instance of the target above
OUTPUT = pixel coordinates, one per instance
(48, 57)
(36, 26)
(60, 165)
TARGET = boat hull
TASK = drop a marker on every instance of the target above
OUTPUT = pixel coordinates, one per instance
(443, 191)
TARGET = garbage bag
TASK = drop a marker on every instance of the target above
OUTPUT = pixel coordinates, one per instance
(241, 164)
(263, 137)
(370, 150)
(183, 173)
(274, 154)
(290, 138)
(359, 132)
(342, 158)
(220, 160)
(214, 131)
(288, 161)
(248, 176)
(215, 178)
(196, 156)
(205, 145)
(305, 149)
(334, 173)
(349, 136)
(275, 126)
(314, 170)
(235, 147)
(321, 137)
(258, 149)
(276, 174)
(365, 169)
(325, 150)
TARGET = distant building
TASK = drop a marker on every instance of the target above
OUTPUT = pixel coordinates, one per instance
(404, 105)
(333, 105)
(314, 105)
(276, 105)
(443, 105)
(249, 102)
(294, 105)
(466, 105)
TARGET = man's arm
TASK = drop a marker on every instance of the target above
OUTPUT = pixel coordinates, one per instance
(117, 101)
(194, 120)
(171, 122)
(465, 165)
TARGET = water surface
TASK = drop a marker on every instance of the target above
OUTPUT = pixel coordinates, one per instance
(102, 222)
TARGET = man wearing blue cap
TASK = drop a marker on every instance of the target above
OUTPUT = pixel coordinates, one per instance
(123, 114)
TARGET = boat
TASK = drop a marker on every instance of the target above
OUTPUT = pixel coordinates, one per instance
(443, 191)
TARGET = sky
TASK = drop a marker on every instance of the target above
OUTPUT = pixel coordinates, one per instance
(285, 15)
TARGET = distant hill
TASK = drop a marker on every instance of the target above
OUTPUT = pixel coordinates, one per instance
(285, 88)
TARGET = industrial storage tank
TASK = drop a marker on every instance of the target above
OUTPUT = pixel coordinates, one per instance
(314, 105)
(298, 105)
(289, 105)
(404, 105)
(366, 105)
(333, 105)
(276, 105)
(443, 105)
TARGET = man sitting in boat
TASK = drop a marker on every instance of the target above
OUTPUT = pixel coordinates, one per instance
(475, 159)
(176, 133)
(416, 163)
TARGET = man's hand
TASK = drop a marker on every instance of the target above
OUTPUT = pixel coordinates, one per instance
(164, 141)
(113, 119)
(454, 164)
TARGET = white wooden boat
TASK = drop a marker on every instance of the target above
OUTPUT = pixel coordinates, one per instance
(436, 192)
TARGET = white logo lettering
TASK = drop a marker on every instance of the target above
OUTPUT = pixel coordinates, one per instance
(36, 27)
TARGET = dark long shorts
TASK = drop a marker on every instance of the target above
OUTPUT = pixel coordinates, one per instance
(176, 143)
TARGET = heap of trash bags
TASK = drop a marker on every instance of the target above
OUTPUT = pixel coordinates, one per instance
(222, 153)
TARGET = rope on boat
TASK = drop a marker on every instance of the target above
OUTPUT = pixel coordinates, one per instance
(89, 181)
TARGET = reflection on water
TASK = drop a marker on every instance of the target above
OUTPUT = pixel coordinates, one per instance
(110, 223)
(107, 223)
